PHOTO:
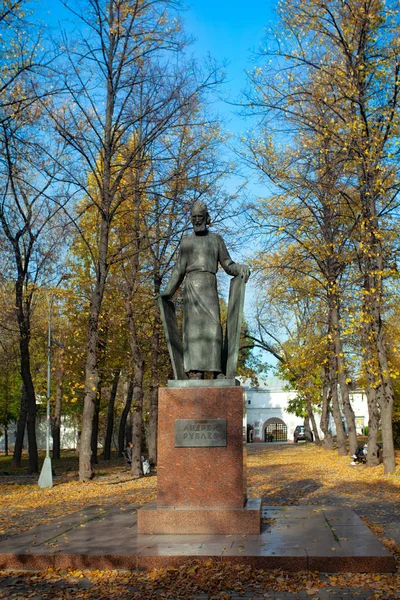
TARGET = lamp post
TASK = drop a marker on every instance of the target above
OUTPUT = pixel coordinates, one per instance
(46, 474)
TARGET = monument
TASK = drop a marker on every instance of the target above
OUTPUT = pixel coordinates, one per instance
(201, 449)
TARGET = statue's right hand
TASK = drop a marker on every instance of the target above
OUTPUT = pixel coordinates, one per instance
(244, 272)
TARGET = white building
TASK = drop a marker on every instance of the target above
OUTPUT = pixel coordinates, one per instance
(69, 434)
(268, 420)
(266, 416)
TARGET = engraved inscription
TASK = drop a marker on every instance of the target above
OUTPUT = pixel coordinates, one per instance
(192, 433)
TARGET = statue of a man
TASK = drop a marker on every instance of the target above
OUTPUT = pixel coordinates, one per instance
(199, 256)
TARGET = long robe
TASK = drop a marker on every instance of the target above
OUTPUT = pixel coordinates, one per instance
(198, 260)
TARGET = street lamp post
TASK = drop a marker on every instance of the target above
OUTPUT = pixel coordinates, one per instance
(46, 474)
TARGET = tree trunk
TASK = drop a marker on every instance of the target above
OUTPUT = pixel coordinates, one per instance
(6, 438)
(324, 422)
(137, 400)
(137, 359)
(337, 417)
(95, 428)
(373, 427)
(85, 446)
(389, 462)
(33, 465)
(122, 444)
(386, 401)
(154, 385)
(110, 415)
(6, 405)
(91, 370)
(348, 414)
(376, 363)
(136, 467)
(128, 428)
(312, 421)
(307, 427)
(26, 375)
(21, 423)
(56, 420)
(342, 376)
(379, 390)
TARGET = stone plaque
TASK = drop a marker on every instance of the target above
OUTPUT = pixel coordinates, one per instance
(193, 433)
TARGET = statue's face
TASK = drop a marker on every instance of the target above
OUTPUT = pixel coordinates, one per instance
(199, 220)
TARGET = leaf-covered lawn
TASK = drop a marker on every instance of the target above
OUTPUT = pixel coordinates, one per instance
(284, 474)
(308, 474)
(213, 580)
(25, 505)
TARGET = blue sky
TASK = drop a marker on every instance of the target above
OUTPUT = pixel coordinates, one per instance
(229, 31)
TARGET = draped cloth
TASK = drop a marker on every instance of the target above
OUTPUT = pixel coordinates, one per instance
(202, 332)
(198, 261)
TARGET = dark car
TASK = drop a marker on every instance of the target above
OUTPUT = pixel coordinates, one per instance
(300, 434)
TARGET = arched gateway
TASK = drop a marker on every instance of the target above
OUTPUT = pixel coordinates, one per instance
(275, 430)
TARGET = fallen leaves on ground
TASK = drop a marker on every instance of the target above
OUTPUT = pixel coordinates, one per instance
(25, 505)
(308, 474)
(281, 474)
(214, 579)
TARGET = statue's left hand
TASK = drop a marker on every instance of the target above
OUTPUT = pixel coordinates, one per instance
(164, 295)
(244, 272)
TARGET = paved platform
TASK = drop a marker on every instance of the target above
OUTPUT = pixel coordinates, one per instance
(293, 538)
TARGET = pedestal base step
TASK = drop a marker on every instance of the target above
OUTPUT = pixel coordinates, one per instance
(219, 520)
(294, 538)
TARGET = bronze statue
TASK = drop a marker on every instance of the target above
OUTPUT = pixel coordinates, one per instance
(198, 259)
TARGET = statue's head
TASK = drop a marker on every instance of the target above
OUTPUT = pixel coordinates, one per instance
(200, 217)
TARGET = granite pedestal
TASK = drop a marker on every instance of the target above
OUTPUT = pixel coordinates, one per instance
(201, 469)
